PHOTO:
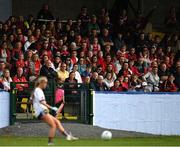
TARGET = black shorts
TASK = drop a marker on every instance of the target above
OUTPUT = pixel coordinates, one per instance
(44, 112)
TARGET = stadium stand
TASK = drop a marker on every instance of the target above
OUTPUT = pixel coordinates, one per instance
(107, 54)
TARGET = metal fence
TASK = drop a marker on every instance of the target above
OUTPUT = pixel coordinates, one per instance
(78, 102)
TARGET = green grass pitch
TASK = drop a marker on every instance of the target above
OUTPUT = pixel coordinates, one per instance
(144, 141)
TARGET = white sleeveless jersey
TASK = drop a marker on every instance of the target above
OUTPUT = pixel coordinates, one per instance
(38, 96)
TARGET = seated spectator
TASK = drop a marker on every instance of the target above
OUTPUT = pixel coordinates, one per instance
(117, 87)
(34, 67)
(6, 80)
(87, 72)
(177, 76)
(48, 71)
(69, 64)
(125, 71)
(17, 51)
(77, 74)
(20, 78)
(168, 85)
(93, 79)
(4, 53)
(152, 80)
(134, 83)
(119, 63)
(100, 85)
(63, 74)
(132, 54)
(28, 43)
(20, 62)
(163, 72)
(95, 46)
(119, 41)
(57, 62)
(105, 39)
(93, 25)
(109, 81)
(81, 66)
(122, 52)
(2, 67)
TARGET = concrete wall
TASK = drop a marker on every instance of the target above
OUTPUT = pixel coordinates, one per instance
(62, 8)
(161, 11)
(5, 9)
(154, 113)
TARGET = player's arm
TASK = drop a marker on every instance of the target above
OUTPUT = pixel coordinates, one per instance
(43, 102)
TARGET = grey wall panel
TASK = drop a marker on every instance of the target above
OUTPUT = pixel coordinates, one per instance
(5, 9)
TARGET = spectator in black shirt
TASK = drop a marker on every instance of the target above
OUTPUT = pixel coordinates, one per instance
(45, 13)
(48, 71)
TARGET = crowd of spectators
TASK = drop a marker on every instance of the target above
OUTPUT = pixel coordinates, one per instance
(106, 55)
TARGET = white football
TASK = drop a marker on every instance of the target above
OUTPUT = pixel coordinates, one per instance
(106, 135)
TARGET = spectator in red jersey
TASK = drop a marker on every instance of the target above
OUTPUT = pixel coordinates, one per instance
(101, 60)
(125, 71)
(34, 67)
(122, 52)
(132, 54)
(133, 68)
(20, 62)
(117, 86)
(20, 78)
(168, 85)
(95, 47)
(45, 50)
(74, 57)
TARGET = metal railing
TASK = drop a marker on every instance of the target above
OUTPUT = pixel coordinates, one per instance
(77, 107)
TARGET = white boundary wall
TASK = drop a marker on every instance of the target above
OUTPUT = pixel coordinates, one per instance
(148, 113)
(4, 109)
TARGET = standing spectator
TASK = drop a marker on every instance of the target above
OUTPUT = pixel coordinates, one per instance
(45, 13)
(71, 87)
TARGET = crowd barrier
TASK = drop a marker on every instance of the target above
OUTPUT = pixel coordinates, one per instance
(4, 108)
(154, 113)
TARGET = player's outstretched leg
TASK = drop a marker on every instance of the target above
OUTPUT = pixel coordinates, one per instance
(59, 126)
(49, 120)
